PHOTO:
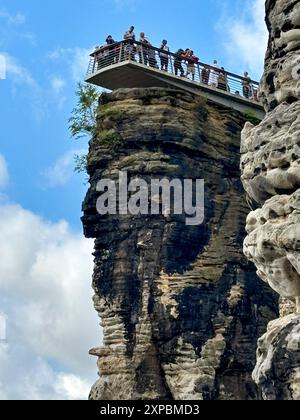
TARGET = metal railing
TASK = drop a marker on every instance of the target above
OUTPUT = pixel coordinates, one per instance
(178, 65)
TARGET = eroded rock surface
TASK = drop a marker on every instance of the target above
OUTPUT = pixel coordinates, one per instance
(271, 154)
(281, 82)
(278, 360)
(180, 306)
(273, 244)
(271, 177)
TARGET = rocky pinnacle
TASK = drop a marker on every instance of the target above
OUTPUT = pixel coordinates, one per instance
(180, 306)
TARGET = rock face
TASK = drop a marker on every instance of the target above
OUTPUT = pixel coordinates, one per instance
(278, 360)
(280, 82)
(271, 177)
(181, 308)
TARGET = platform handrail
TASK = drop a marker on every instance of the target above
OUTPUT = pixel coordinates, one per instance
(127, 50)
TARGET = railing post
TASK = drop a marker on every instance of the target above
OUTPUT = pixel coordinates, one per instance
(199, 71)
(121, 51)
(171, 64)
(143, 57)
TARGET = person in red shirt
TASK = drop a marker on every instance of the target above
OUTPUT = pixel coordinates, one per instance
(192, 60)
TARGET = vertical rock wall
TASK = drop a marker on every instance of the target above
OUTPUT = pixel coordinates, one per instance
(180, 306)
(271, 177)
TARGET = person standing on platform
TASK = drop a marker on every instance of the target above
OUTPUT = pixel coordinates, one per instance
(111, 49)
(143, 49)
(247, 86)
(164, 55)
(223, 81)
(129, 36)
(179, 56)
(214, 74)
(192, 60)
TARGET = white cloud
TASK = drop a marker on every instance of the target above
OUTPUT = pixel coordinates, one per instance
(20, 77)
(17, 72)
(4, 176)
(72, 387)
(62, 171)
(57, 85)
(10, 29)
(245, 36)
(25, 376)
(45, 276)
(12, 19)
(76, 58)
(46, 297)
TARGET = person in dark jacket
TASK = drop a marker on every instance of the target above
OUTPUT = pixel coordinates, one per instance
(111, 55)
(178, 62)
(110, 40)
(164, 55)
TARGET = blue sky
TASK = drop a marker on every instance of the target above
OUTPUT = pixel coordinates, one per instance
(46, 46)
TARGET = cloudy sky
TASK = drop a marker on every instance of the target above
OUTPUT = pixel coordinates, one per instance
(46, 264)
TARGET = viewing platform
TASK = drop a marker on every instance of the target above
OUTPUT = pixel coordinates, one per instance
(130, 65)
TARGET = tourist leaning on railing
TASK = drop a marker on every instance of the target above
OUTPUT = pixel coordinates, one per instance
(179, 56)
(191, 60)
(110, 44)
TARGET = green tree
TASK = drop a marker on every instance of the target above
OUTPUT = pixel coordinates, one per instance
(80, 162)
(83, 118)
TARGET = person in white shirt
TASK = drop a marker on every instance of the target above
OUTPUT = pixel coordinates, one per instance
(129, 36)
(214, 75)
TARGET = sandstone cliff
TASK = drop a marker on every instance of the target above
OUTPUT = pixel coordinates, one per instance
(271, 177)
(180, 306)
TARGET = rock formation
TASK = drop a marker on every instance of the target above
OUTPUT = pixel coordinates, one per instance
(181, 308)
(271, 177)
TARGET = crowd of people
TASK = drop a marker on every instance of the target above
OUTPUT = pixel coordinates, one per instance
(184, 62)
